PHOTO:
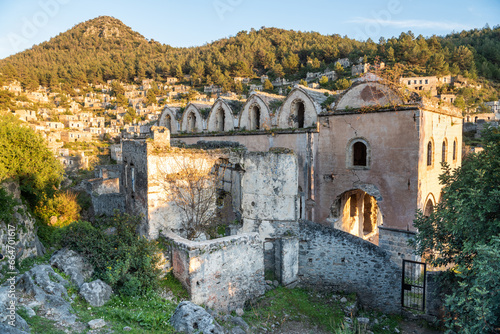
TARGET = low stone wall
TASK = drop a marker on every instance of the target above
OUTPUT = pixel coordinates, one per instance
(395, 242)
(222, 273)
(333, 259)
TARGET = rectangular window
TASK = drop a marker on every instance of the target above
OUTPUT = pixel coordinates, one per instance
(426, 81)
(420, 81)
(409, 82)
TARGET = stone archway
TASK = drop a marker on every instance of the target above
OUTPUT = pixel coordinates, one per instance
(357, 212)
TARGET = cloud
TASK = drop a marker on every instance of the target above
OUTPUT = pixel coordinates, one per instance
(412, 24)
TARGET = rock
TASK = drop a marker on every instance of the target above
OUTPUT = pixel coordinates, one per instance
(237, 330)
(276, 283)
(6, 329)
(73, 265)
(29, 311)
(240, 322)
(49, 290)
(96, 323)
(239, 312)
(343, 300)
(191, 318)
(127, 329)
(364, 321)
(396, 330)
(96, 293)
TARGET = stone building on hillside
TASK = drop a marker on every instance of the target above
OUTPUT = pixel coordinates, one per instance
(366, 162)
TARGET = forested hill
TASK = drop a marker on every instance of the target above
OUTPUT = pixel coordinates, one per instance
(104, 48)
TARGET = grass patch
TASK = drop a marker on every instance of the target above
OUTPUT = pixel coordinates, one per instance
(171, 283)
(39, 325)
(144, 314)
(282, 304)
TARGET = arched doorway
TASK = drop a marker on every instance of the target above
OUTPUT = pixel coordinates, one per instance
(255, 118)
(191, 126)
(358, 213)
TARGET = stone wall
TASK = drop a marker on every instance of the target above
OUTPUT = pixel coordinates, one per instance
(395, 242)
(221, 273)
(106, 204)
(333, 259)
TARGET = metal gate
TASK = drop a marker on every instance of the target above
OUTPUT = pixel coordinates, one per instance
(413, 285)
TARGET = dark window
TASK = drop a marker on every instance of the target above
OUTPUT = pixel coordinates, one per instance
(359, 154)
(454, 150)
(429, 154)
(443, 153)
(300, 114)
(255, 118)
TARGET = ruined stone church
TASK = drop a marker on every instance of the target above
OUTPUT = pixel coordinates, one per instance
(326, 188)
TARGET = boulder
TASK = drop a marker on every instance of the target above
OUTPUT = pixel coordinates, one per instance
(73, 265)
(49, 290)
(96, 293)
(6, 329)
(191, 318)
(96, 323)
(7, 314)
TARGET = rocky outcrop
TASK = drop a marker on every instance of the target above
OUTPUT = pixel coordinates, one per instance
(48, 289)
(73, 265)
(8, 315)
(96, 293)
(24, 243)
(191, 318)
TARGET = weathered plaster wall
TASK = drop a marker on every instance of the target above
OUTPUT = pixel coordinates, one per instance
(287, 118)
(391, 176)
(222, 273)
(212, 124)
(304, 145)
(330, 258)
(437, 127)
(265, 117)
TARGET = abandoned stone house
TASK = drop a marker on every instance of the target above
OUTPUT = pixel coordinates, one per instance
(326, 194)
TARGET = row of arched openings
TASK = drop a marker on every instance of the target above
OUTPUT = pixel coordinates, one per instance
(444, 151)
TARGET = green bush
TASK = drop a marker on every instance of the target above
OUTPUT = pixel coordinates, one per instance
(124, 260)
(64, 206)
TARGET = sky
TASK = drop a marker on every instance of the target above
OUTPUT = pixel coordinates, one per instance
(24, 23)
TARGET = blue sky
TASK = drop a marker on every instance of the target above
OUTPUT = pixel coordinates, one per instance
(185, 23)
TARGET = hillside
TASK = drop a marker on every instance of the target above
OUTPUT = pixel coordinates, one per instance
(104, 48)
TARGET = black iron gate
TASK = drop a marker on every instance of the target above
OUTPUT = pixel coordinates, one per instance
(413, 285)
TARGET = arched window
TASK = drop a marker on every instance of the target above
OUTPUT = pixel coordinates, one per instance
(455, 150)
(444, 151)
(220, 119)
(429, 153)
(359, 154)
(429, 208)
(255, 118)
(300, 110)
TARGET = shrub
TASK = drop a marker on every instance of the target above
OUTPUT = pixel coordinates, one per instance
(123, 259)
(64, 206)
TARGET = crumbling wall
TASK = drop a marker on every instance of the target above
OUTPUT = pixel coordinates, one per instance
(222, 273)
(330, 258)
(106, 204)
